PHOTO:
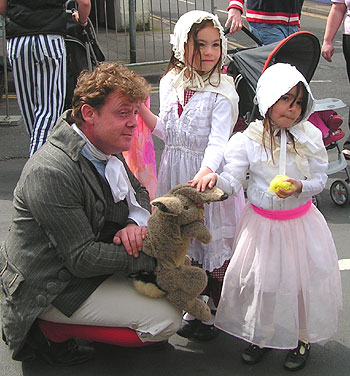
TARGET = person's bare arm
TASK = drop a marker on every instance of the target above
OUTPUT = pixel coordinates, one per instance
(148, 117)
(3, 5)
(84, 7)
(334, 21)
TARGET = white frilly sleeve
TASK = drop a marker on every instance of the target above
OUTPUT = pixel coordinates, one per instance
(318, 180)
(222, 118)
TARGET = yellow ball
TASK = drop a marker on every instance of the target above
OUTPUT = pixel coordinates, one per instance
(278, 182)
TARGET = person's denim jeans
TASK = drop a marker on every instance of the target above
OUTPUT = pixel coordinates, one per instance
(271, 33)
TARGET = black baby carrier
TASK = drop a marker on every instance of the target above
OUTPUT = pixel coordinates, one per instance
(83, 51)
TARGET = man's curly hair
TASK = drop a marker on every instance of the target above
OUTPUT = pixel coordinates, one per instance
(93, 87)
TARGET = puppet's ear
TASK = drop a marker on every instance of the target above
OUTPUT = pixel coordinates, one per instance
(168, 205)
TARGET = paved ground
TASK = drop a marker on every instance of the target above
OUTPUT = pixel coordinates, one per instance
(219, 357)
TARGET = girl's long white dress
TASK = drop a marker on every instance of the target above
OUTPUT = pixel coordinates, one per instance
(197, 138)
(283, 281)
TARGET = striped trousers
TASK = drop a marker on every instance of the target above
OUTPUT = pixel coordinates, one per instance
(39, 71)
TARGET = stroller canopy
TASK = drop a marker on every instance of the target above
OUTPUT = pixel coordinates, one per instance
(301, 49)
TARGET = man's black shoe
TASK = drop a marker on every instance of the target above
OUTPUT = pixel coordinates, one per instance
(68, 353)
(253, 354)
(296, 358)
(188, 327)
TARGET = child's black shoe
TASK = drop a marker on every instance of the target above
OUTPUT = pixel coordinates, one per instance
(253, 354)
(296, 358)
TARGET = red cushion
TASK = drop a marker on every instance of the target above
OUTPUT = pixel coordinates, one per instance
(58, 332)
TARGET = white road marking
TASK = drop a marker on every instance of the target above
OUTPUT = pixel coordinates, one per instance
(344, 264)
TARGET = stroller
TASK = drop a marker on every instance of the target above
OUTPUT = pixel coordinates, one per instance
(83, 51)
(302, 50)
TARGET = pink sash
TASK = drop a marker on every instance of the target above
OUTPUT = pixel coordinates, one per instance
(283, 215)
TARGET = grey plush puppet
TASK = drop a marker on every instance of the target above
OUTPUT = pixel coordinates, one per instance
(177, 218)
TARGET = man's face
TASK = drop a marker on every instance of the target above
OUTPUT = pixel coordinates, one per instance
(111, 127)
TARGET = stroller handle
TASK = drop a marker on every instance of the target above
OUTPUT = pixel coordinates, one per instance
(247, 32)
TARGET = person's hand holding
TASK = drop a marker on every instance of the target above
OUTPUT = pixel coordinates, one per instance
(234, 20)
(76, 18)
(298, 188)
(203, 182)
(327, 51)
(131, 237)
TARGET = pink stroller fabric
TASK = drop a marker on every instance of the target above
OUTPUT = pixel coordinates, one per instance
(328, 122)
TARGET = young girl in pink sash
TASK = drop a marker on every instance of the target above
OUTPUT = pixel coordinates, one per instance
(282, 288)
(197, 111)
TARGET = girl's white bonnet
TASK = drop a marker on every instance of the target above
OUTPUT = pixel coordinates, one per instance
(183, 26)
(276, 81)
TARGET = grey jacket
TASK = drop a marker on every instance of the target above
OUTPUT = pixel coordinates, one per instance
(59, 247)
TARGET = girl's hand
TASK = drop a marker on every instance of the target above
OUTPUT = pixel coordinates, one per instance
(202, 172)
(298, 188)
(132, 237)
(202, 183)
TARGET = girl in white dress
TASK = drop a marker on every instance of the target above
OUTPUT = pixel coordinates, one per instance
(282, 288)
(198, 109)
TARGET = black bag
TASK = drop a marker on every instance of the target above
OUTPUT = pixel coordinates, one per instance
(83, 52)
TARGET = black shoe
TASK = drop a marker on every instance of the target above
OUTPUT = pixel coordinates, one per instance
(188, 327)
(205, 332)
(253, 354)
(296, 358)
(68, 353)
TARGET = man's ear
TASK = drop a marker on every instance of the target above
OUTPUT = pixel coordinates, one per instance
(87, 112)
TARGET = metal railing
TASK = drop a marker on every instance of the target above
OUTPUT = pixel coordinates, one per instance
(5, 119)
(137, 31)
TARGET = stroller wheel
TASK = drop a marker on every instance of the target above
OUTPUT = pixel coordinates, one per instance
(340, 193)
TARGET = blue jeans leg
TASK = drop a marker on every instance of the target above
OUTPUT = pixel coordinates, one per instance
(271, 33)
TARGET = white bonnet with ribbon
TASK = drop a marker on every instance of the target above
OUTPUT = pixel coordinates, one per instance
(183, 26)
(276, 81)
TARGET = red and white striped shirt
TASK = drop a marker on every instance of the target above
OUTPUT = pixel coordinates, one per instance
(286, 12)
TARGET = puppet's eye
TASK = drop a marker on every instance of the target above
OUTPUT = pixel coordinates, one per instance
(185, 207)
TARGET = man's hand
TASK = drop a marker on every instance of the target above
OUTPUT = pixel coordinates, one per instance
(131, 237)
(76, 18)
(327, 51)
(234, 20)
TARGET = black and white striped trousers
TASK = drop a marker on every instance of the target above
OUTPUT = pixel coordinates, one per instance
(39, 71)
